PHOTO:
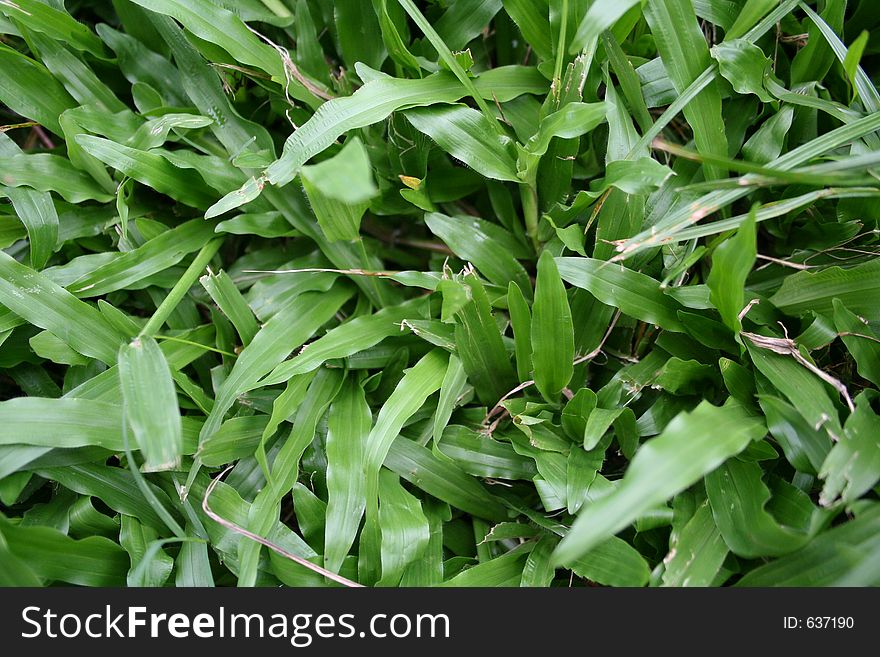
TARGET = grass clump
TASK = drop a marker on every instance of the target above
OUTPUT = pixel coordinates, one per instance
(401, 293)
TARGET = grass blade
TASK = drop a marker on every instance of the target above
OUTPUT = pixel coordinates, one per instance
(92, 561)
(405, 530)
(150, 402)
(466, 134)
(552, 331)
(286, 331)
(34, 297)
(232, 303)
(635, 294)
(417, 385)
(28, 88)
(686, 55)
(348, 428)
(153, 170)
(732, 261)
(691, 446)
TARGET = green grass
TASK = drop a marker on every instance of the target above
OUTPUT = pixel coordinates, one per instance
(459, 292)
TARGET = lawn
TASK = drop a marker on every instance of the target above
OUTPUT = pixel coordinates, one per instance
(448, 292)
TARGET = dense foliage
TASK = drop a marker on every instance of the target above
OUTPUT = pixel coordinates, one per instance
(465, 292)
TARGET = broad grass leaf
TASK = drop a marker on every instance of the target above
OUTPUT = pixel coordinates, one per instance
(54, 557)
(479, 345)
(229, 299)
(483, 457)
(854, 287)
(767, 142)
(156, 255)
(29, 89)
(153, 170)
(828, 558)
(599, 17)
(573, 120)
(35, 298)
(347, 339)
(223, 28)
(466, 134)
(156, 131)
(370, 104)
(311, 514)
(443, 480)
(552, 332)
(202, 87)
(346, 177)
(538, 570)
(338, 220)
(115, 487)
(16, 572)
(739, 499)
(751, 12)
(51, 173)
(860, 340)
(868, 93)
(489, 247)
(505, 83)
(683, 49)
(463, 21)
(452, 391)
(803, 389)
(357, 28)
(236, 438)
(685, 215)
(149, 567)
(634, 293)
(732, 261)
(854, 56)
(34, 208)
(394, 28)
(348, 427)
(239, 135)
(339, 190)
(150, 403)
(263, 224)
(142, 65)
(193, 567)
(505, 570)
(521, 322)
(264, 513)
(283, 410)
(691, 446)
(417, 384)
(640, 176)
(56, 24)
(576, 413)
(613, 563)
(698, 554)
(77, 77)
(532, 17)
(744, 65)
(405, 529)
(805, 446)
(629, 81)
(287, 330)
(852, 467)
